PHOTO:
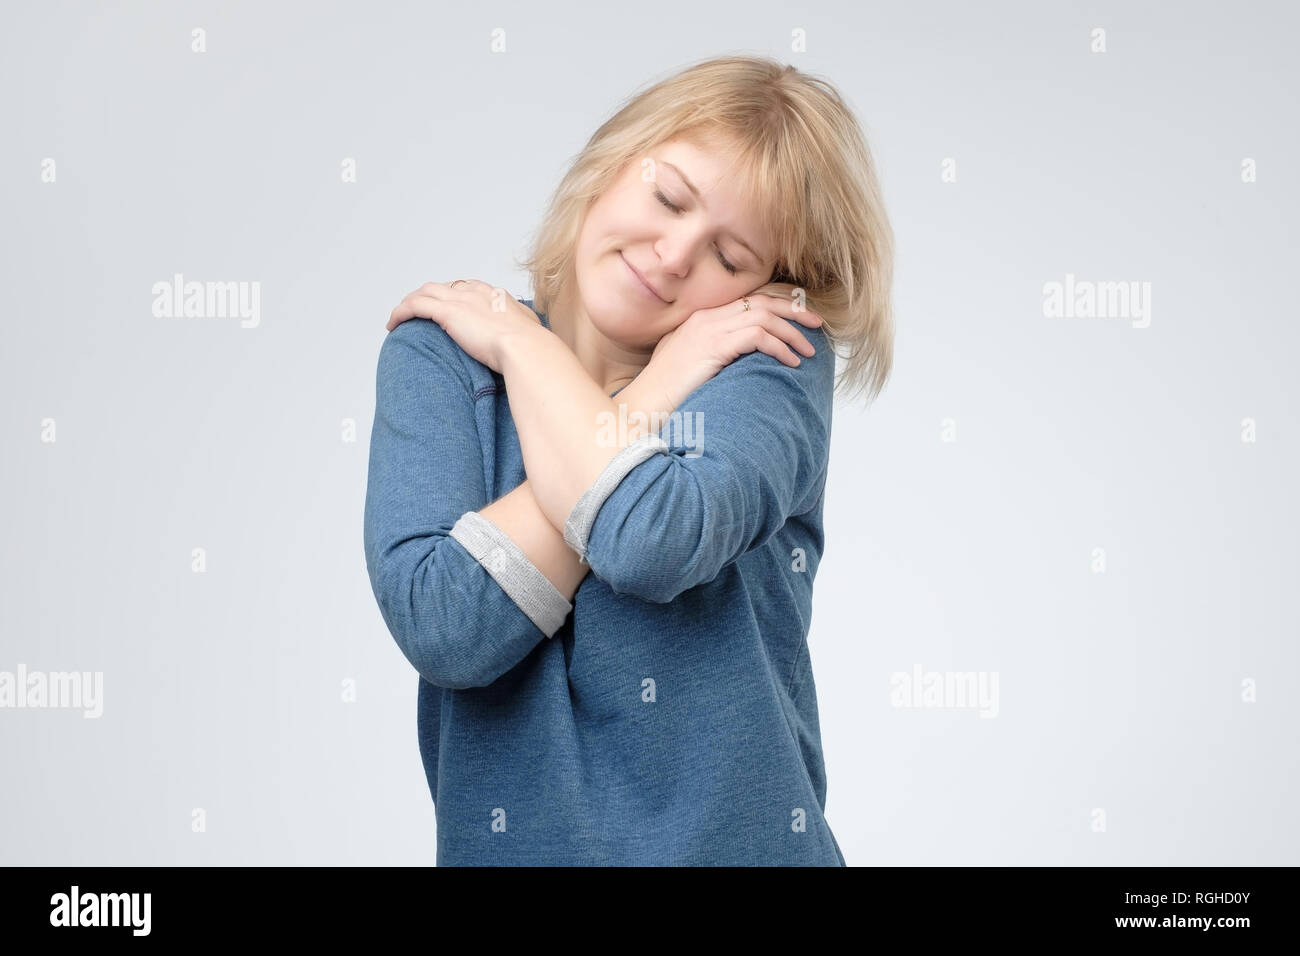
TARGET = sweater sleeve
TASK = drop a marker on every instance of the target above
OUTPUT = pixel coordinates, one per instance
(743, 453)
(463, 602)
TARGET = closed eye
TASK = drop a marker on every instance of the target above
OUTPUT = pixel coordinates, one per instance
(677, 209)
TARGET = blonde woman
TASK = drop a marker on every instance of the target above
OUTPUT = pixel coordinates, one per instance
(594, 518)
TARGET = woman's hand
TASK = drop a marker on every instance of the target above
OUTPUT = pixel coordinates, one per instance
(710, 339)
(479, 317)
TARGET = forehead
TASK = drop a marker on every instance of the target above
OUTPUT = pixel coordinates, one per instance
(705, 164)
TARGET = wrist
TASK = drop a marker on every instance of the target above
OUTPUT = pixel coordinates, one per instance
(648, 395)
(519, 344)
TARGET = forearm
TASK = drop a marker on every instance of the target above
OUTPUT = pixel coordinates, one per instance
(564, 419)
(522, 519)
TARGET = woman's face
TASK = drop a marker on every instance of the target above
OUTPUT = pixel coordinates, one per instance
(679, 251)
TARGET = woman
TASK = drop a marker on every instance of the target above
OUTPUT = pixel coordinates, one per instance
(609, 614)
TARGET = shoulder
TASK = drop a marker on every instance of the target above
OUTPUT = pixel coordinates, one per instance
(420, 346)
(762, 377)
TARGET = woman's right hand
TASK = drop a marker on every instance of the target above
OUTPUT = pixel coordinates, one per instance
(710, 339)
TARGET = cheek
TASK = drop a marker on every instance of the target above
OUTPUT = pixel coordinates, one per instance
(635, 332)
(718, 292)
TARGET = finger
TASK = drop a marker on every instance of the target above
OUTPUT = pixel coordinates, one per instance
(400, 314)
(417, 306)
(778, 349)
(445, 289)
(793, 336)
(462, 286)
(776, 325)
(428, 307)
(404, 310)
(784, 305)
(757, 338)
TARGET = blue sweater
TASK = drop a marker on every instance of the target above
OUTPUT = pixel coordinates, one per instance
(667, 715)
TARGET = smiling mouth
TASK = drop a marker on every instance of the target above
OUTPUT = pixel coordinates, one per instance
(639, 279)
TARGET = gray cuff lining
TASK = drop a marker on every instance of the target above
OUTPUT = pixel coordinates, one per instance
(577, 528)
(531, 590)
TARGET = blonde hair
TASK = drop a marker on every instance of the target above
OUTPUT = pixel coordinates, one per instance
(800, 153)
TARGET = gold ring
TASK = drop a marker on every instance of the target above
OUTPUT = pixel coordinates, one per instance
(453, 285)
(746, 301)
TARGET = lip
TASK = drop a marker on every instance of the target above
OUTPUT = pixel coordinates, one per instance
(648, 287)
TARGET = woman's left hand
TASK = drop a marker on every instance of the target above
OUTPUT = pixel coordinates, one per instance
(479, 317)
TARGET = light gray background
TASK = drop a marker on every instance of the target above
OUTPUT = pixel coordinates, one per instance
(1120, 691)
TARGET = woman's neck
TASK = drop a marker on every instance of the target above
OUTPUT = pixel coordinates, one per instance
(610, 364)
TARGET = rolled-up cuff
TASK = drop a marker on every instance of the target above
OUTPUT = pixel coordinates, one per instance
(577, 527)
(531, 590)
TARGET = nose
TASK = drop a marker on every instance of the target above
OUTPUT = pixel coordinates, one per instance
(675, 252)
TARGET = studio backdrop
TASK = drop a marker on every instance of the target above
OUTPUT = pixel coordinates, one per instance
(1054, 620)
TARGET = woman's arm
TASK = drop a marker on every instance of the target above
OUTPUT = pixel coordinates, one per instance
(508, 535)
(524, 521)
(647, 521)
(563, 417)
(511, 535)
(558, 412)
(460, 601)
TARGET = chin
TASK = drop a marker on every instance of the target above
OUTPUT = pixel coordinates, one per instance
(617, 315)
(614, 320)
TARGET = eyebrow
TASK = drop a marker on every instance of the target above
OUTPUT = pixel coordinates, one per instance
(696, 193)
